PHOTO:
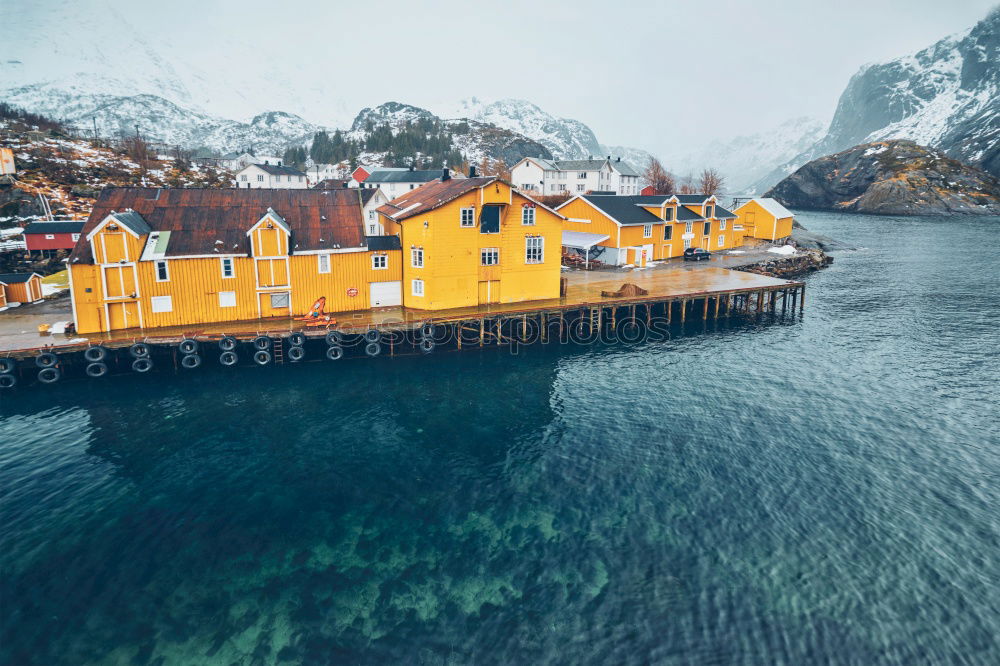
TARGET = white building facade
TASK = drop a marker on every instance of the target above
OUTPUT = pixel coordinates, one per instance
(541, 176)
(270, 176)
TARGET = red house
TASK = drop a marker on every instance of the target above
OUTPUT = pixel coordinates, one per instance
(47, 237)
(648, 191)
(360, 174)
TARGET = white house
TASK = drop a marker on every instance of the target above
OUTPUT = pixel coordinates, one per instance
(534, 174)
(271, 176)
(237, 162)
(371, 199)
(397, 182)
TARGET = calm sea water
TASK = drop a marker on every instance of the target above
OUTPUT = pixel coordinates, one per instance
(816, 491)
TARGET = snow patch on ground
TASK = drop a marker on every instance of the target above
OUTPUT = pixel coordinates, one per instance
(783, 250)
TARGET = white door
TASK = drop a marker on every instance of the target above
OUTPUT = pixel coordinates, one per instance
(386, 294)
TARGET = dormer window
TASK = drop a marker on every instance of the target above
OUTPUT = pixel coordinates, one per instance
(709, 210)
(668, 214)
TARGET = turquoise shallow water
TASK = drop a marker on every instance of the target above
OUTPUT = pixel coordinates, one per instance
(824, 490)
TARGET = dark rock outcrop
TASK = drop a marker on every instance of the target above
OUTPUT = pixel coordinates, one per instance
(789, 267)
(891, 178)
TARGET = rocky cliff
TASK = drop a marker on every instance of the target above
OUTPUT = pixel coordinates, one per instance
(891, 178)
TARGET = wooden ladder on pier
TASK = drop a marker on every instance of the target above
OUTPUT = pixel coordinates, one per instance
(595, 318)
(279, 352)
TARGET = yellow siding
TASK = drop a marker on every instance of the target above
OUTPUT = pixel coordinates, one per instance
(579, 209)
(195, 284)
(452, 272)
(18, 292)
(759, 223)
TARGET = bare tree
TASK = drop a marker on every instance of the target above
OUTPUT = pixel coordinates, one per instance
(658, 177)
(711, 182)
(687, 185)
(490, 167)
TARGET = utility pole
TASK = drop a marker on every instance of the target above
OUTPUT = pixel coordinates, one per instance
(94, 118)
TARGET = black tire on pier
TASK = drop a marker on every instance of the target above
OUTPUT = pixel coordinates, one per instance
(7, 365)
(335, 352)
(49, 375)
(228, 358)
(373, 349)
(139, 350)
(142, 364)
(95, 354)
(8, 381)
(190, 361)
(96, 369)
(334, 338)
(297, 339)
(46, 360)
(262, 357)
(188, 346)
(262, 342)
(296, 353)
(427, 345)
(227, 343)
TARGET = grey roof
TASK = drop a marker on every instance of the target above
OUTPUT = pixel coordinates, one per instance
(580, 165)
(624, 168)
(685, 214)
(382, 243)
(723, 214)
(404, 176)
(623, 209)
(276, 170)
(692, 198)
(15, 278)
(133, 221)
(58, 227)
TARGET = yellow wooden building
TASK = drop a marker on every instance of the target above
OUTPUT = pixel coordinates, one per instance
(635, 230)
(20, 288)
(167, 257)
(474, 241)
(765, 218)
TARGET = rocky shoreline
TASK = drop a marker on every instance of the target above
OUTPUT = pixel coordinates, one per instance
(789, 267)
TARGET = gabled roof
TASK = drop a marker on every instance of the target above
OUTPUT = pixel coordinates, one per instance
(724, 214)
(623, 209)
(16, 278)
(693, 199)
(685, 214)
(404, 176)
(57, 227)
(430, 196)
(366, 195)
(624, 168)
(276, 170)
(208, 222)
(580, 165)
(773, 207)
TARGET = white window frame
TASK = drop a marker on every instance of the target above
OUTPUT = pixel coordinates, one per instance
(323, 263)
(50, 236)
(260, 178)
(722, 240)
(534, 250)
(371, 215)
(668, 232)
(232, 267)
(706, 229)
(668, 214)
(709, 210)
(159, 304)
(227, 299)
(489, 256)
(528, 216)
(380, 259)
(687, 243)
(417, 257)
(722, 225)
(467, 217)
(689, 227)
(76, 237)
(417, 287)
(288, 299)
(157, 265)
(647, 231)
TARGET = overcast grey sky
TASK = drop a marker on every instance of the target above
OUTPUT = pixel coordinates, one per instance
(648, 74)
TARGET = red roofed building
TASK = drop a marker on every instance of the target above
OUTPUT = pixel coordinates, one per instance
(47, 237)
(648, 191)
(359, 175)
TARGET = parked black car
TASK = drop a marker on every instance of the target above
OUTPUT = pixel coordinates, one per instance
(696, 254)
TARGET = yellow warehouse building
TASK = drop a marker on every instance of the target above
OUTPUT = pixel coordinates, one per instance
(765, 218)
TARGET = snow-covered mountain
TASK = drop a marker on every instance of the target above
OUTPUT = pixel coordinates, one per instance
(565, 138)
(946, 96)
(744, 160)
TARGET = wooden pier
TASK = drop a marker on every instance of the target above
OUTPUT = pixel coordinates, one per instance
(660, 300)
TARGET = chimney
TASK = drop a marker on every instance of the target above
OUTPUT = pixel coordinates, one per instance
(618, 160)
(472, 171)
(609, 158)
(445, 174)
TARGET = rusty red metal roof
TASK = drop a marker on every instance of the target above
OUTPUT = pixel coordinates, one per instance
(215, 221)
(430, 196)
